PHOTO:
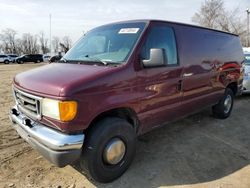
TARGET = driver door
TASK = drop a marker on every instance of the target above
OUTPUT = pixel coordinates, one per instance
(160, 85)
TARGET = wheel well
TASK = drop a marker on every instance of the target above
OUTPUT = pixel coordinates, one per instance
(233, 86)
(124, 113)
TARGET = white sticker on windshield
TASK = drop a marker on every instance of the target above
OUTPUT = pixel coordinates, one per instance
(128, 30)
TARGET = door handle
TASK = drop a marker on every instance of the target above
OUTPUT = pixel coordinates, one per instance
(179, 86)
(187, 74)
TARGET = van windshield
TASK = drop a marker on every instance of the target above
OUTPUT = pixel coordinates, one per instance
(110, 43)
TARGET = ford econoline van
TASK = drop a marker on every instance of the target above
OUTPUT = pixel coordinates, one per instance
(119, 81)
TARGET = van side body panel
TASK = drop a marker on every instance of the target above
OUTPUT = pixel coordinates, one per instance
(208, 61)
(205, 55)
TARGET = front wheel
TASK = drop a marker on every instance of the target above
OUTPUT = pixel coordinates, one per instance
(6, 62)
(223, 109)
(109, 149)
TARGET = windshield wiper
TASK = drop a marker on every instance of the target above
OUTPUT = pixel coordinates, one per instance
(96, 59)
(63, 59)
(91, 59)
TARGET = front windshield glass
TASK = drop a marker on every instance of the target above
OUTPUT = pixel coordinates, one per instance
(110, 43)
(247, 56)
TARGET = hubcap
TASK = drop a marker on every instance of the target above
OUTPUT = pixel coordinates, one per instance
(114, 151)
(227, 104)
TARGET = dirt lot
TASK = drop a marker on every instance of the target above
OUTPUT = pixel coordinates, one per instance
(198, 151)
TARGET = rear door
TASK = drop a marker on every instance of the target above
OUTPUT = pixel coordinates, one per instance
(160, 86)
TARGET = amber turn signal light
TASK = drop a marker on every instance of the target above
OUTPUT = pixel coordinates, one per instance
(67, 110)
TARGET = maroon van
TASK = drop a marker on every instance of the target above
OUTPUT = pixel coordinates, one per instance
(119, 81)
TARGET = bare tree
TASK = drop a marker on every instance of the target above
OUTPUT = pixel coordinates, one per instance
(43, 43)
(29, 43)
(8, 40)
(212, 14)
(209, 13)
(55, 44)
(66, 43)
(19, 46)
(1, 48)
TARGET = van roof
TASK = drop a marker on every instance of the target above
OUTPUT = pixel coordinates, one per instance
(172, 22)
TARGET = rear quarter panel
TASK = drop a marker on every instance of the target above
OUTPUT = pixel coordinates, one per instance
(215, 56)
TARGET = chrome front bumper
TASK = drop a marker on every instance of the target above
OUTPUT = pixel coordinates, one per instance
(59, 148)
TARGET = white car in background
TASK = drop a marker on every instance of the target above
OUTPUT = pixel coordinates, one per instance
(5, 59)
(12, 57)
(46, 58)
(246, 80)
(246, 49)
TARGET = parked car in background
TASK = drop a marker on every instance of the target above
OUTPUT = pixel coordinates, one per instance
(246, 80)
(12, 57)
(246, 49)
(46, 58)
(36, 58)
(55, 58)
(120, 81)
(5, 59)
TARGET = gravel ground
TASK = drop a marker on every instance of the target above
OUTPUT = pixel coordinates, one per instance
(198, 151)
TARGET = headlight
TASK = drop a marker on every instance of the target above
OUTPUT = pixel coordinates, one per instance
(60, 110)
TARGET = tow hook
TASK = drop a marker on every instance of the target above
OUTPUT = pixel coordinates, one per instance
(27, 122)
(14, 112)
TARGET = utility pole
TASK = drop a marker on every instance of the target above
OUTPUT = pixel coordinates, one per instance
(50, 34)
(248, 12)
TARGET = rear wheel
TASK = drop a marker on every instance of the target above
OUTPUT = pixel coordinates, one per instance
(109, 149)
(223, 109)
(6, 62)
(20, 62)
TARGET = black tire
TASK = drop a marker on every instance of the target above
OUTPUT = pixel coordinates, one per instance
(38, 61)
(222, 110)
(92, 161)
(20, 62)
(6, 62)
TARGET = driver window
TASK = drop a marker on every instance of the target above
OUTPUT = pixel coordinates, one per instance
(161, 37)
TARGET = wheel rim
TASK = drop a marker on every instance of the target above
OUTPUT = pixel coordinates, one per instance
(114, 151)
(227, 104)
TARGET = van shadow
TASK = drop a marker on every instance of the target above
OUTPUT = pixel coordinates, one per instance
(193, 150)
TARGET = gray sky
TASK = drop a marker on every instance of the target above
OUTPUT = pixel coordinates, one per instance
(72, 17)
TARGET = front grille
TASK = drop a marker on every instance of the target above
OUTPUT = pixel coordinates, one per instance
(28, 104)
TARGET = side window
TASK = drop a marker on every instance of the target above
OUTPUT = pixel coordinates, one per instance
(161, 37)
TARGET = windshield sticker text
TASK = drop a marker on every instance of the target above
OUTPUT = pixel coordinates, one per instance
(128, 30)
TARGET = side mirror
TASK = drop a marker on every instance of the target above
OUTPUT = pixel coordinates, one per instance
(156, 59)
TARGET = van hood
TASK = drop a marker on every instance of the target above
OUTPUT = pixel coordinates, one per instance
(56, 78)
